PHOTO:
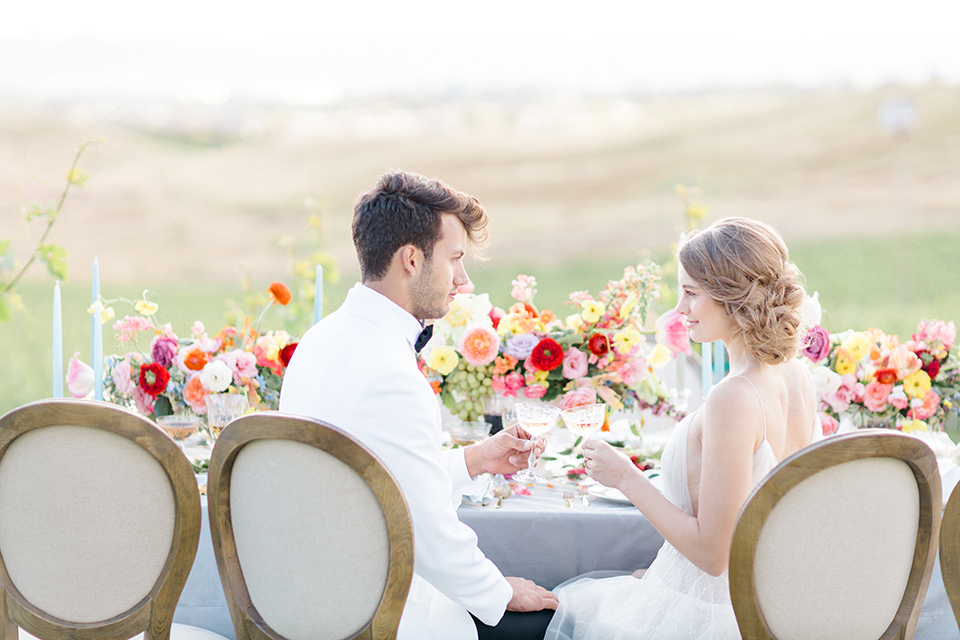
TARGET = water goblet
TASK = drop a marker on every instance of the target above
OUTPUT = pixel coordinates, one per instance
(222, 409)
(536, 419)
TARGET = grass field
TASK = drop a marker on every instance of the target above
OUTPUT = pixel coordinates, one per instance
(187, 203)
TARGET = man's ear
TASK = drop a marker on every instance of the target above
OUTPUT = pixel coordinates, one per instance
(411, 259)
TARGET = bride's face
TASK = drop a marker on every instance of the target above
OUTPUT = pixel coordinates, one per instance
(706, 319)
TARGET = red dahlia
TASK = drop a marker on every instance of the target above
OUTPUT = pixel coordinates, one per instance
(932, 368)
(153, 379)
(547, 355)
(599, 345)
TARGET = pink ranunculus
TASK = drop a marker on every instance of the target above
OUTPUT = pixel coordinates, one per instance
(926, 407)
(574, 364)
(243, 364)
(672, 333)
(496, 314)
(851, 390)
(163, 348)
(633, 372)
(512, 382)
(875, 396)
(143, 400)
(816, 344)
(535, 391)
(935, 332)
(828, 424)
(79, 377)
(121, 377)
(578, 398)
(898, 398)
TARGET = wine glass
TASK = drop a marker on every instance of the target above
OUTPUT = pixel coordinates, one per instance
(536, 419)
(179, 426)
(585, 420)
(222, 409)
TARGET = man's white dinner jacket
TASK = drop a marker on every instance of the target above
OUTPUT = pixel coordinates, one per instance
(356, 369)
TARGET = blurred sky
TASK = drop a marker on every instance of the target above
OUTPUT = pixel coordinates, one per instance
(317, 52)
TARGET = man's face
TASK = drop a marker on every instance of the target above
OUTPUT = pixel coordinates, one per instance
(443, 273)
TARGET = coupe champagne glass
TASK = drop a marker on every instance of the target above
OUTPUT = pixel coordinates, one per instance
(584, 421)
(179, 426)
(536, 419)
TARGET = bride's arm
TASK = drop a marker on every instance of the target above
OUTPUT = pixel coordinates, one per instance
(731, 425)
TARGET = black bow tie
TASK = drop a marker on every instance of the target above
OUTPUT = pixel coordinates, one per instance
(423, 338)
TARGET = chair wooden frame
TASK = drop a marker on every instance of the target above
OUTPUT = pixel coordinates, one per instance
(950, 551)
(271, 425)
(803, 464)
(154, 614)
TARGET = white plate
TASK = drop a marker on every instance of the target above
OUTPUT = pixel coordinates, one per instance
(608, 493)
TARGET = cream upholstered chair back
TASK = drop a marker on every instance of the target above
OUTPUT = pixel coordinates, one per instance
(950, 551)
(99, 522)
(838, 541)
(312, 535)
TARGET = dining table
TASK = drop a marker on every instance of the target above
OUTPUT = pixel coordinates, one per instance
(547, 537)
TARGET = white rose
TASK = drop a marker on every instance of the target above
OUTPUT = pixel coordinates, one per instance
(825, 381)
(216, 376)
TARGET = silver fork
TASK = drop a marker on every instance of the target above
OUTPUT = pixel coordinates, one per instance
(584, 490)
(568, 497)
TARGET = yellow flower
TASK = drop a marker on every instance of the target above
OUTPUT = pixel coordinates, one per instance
(659, 356)
(913, 425)
(624, 341)
(628, 304)
(459, 312)
(145, 307)
(538, 377)
(591, 311)
(844, 364)
(858, 345)
(106, 313)
(506, 325)
(443, 359)
(917, 384)
(574, 322)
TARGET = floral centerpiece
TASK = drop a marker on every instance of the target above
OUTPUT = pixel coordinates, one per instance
(165, 373)
(599, 353)
(871, 379)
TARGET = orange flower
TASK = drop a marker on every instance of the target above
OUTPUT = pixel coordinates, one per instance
(195, 395)
(195, 359)
(279, 293)
(504, 364)
(479, 345)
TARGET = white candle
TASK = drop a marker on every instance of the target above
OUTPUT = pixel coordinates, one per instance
(318, 296)
(706, 372)
(96, 334)
(57, 343)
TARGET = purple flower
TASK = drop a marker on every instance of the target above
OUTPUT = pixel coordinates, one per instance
(520, 345)
(164, 350)
(816, 344)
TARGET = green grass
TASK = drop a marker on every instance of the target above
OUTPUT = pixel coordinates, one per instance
(885, 282)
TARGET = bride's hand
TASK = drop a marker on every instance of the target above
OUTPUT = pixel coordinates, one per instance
(605, 464)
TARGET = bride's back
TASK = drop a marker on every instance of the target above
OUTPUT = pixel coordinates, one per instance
(782, 398)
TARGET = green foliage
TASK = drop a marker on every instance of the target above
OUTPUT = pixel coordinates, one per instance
(51, 255)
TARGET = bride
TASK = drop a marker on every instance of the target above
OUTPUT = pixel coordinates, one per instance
(736, 285)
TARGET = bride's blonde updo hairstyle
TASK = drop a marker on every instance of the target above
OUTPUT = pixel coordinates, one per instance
(743, 265)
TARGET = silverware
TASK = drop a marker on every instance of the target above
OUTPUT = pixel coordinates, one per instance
(584, 492)
(568, 497)
(502, 491)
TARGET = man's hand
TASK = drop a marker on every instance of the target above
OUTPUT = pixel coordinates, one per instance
(528, 596)
(505, 453)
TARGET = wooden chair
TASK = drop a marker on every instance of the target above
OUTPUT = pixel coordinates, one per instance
(839, 541)
(950, 551)
(99, 524)
(311, 533)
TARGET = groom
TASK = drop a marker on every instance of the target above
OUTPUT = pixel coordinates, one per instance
(357, 370)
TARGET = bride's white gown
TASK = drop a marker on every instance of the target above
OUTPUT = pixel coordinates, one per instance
(674, 598)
